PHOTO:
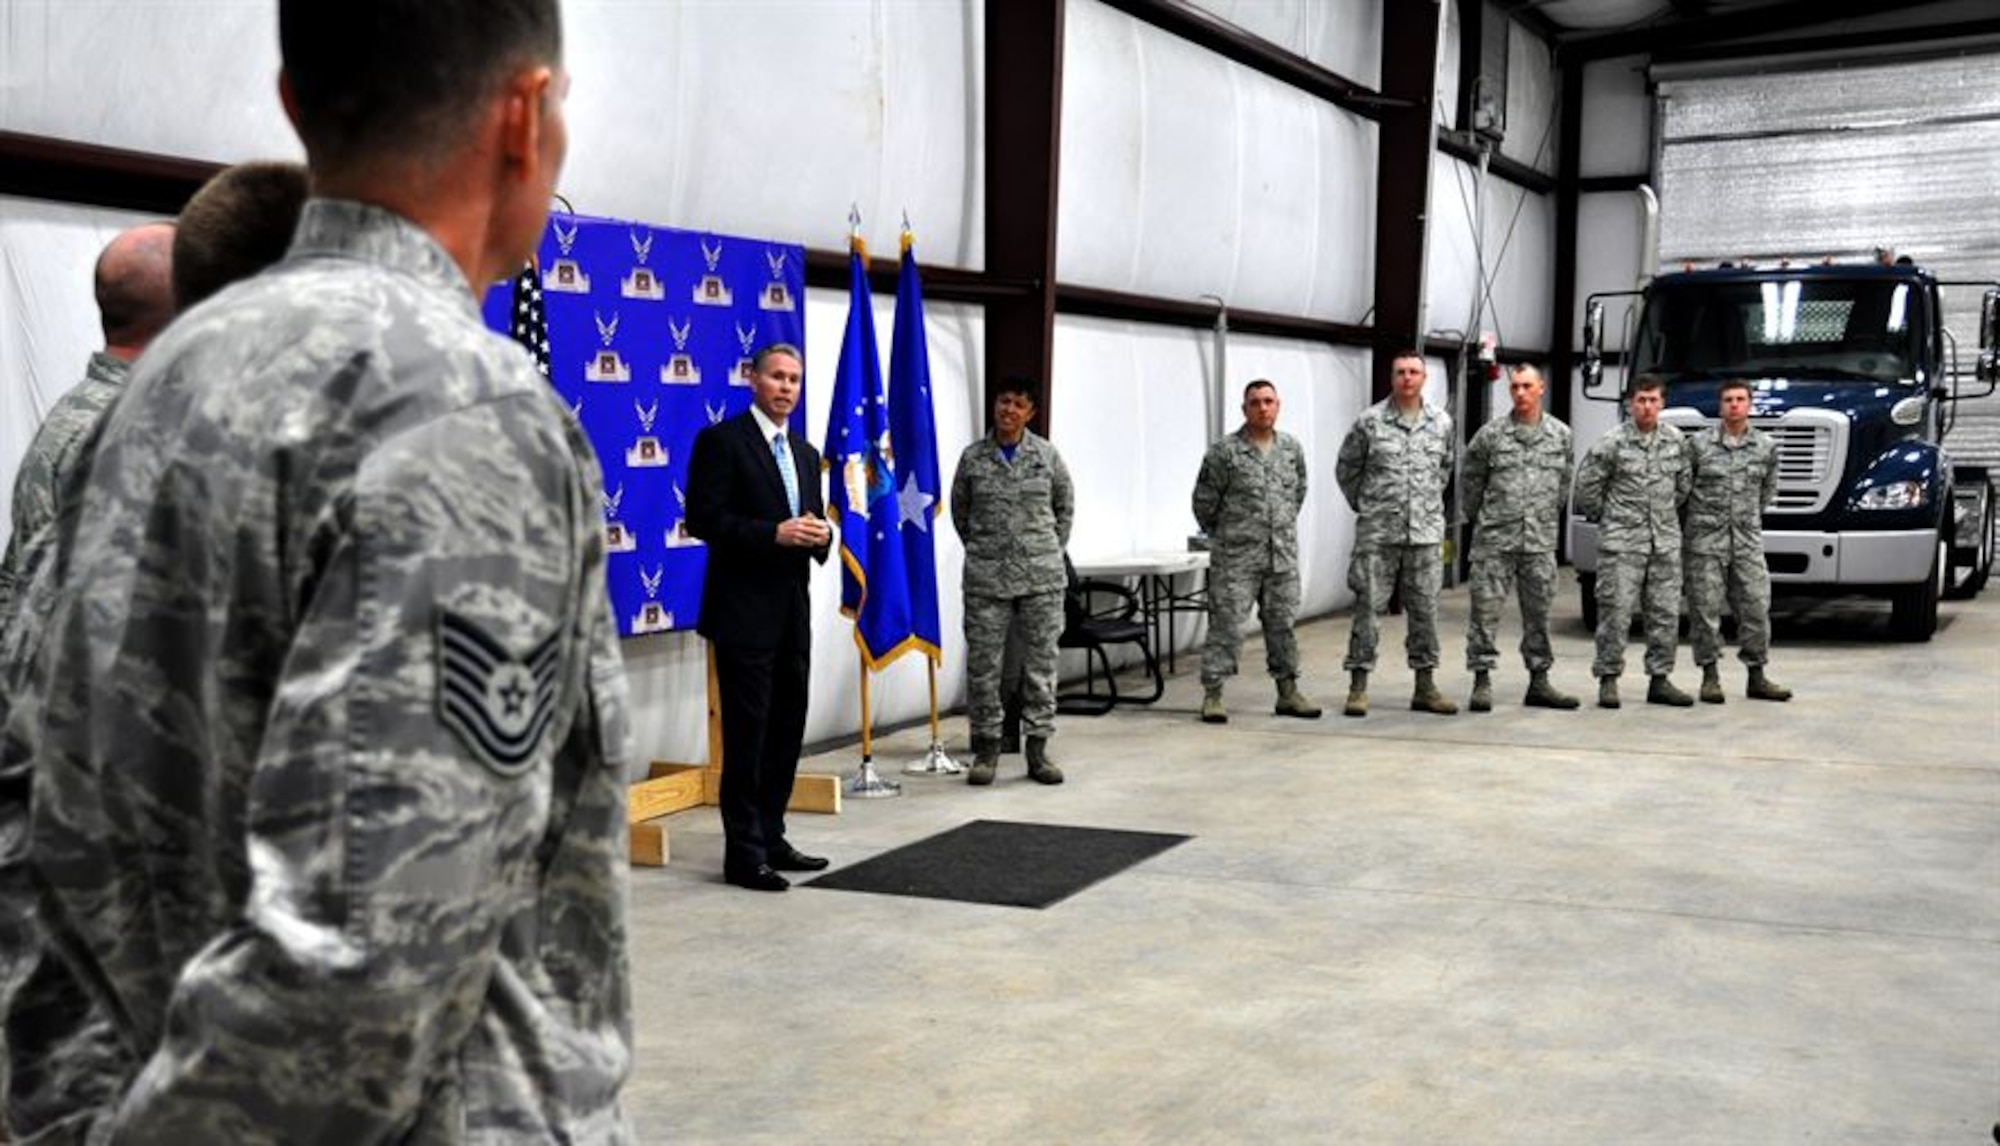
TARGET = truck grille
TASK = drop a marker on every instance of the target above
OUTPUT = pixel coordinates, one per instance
(1811, 448)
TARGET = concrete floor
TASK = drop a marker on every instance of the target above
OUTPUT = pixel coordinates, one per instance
(1748, 924)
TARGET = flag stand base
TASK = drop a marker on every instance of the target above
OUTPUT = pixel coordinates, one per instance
(865, 784)
(936, 762)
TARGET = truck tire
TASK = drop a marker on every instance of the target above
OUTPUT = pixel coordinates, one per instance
(1587, 583)
(1913, 609)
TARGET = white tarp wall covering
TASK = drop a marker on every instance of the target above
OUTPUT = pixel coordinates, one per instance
(1342, 36)
(1517, 237)
(1617, 141)
(1184, 175)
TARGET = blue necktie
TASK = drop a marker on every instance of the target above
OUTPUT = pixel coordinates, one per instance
(783, 457)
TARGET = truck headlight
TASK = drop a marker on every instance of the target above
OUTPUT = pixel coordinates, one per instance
(1894, 495)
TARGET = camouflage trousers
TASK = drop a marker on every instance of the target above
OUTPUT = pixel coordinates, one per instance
(1649, 581)
(1493, 579)
(1374, 575)
(1232, 591)
(1010, 651)
(1744, 581)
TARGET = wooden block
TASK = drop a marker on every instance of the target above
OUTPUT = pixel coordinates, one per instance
(659, 768)
(812, 792)
(663, 795)
(649, 844)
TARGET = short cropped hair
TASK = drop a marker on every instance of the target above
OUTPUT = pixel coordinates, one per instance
(404, 77)
(1531, 370)
(1742, 384)
(1259, 384)
(1020, 384)
(240, 222)
(1647, 382)
(764, 353)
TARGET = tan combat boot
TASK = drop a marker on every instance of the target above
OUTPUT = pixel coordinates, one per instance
(1662, 691)
(1427, 698)
(1711, 685)
(1357, 693)
(1542, 694)
(1292, 703)
(1041, 769)
(985, 762)
(1482, 692)
(1212, 711)
(1764, 688)
(1607, 692)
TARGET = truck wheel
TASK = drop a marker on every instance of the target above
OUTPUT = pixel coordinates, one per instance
(1587, 582)
(1914, 608)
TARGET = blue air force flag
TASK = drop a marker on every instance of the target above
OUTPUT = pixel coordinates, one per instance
(861, 494)
(919, 494)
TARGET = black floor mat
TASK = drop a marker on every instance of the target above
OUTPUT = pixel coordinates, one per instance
(1001, 862)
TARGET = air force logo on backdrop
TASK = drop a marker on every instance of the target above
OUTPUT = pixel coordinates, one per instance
(642, 282)
(617, 538)
(680, 369)
(563, 275)
(498, 705)
(647, 451)
(776, 295)
(653, 617)
(607, 366)
(711, 290)
(739, 375)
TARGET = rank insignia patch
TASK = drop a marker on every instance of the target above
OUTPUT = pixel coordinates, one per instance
(500, 706)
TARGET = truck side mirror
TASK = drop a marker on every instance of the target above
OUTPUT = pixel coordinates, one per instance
(1593, 342)
(1989, 337)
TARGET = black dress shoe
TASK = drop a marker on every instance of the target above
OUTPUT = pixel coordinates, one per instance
(759, 878)
(791, 859)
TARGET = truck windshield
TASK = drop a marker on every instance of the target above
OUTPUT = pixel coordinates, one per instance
(1859, 329)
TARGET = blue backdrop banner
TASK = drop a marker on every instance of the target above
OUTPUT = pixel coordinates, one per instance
(647, 333)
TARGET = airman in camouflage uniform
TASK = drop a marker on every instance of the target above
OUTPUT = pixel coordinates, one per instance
(1394, 465)
(1516, 486)
(135, 300)
(1247, 500)
(1632, 483)
(329, 799)
(1735, 476)
(1012, 504)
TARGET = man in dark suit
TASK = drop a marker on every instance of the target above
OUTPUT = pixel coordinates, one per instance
(754, 497)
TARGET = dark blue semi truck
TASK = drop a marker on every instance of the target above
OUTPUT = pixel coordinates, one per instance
(1857, 378)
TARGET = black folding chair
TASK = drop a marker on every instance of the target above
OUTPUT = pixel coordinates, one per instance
(1096, 616)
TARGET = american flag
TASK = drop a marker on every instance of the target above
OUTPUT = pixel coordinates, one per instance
(530, 327)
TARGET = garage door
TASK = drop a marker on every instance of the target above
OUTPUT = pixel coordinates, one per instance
(1803, 161)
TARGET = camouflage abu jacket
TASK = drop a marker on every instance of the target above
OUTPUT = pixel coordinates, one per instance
(1014, 517)
(1516, 485)
(1247, 500)
(1394, 475)
(329, 806)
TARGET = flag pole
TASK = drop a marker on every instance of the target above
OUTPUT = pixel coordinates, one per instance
(936, 761)
(865, 784)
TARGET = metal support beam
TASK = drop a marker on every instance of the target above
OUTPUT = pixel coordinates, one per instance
(39, 167)
(1403, 174)
(1562, 296)
(1024, 42)
(1233, 43)
(1712, 29)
